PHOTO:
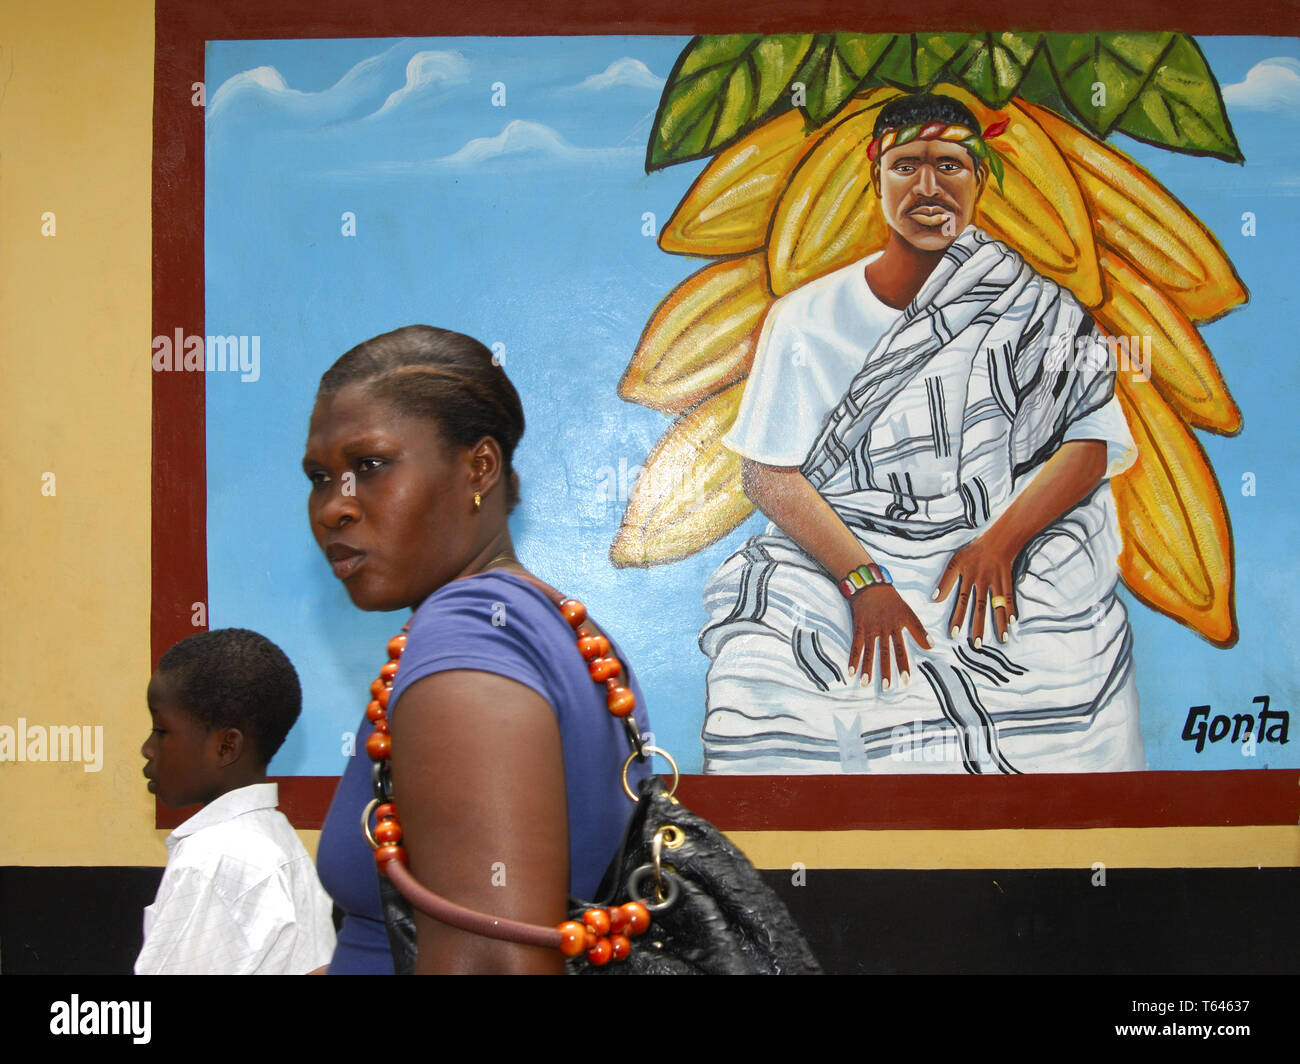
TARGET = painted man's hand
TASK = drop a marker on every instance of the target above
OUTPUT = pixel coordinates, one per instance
(982, 568)
(880, 616)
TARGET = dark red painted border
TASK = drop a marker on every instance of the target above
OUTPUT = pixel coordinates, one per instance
(246, 19)
(877, 803)
(179, 549)
(179, 495)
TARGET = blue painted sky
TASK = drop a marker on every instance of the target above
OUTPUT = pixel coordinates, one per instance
(522, 225)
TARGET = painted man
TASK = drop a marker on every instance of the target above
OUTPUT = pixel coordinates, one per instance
(931, 432)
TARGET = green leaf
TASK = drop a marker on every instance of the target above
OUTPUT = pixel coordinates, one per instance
(1100, 75)
(834, 69)
(1039, 86)
(915, 61)
(721, 88)
(1182, 108)
(992, 65)
(1155, 87)
(995, 165)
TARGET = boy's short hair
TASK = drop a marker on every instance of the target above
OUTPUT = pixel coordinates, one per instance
(234, 678)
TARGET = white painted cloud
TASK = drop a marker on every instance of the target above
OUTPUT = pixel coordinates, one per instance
(354, 95)
(425, 71)
(365, 91)
(626, 72)
(1270, 85)
(527, 138)
(264, 80)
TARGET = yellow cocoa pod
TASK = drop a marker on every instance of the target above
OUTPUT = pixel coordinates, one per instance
(701, 338)
(1177, 555)
(1137, 216)
(689, 493)
(1171, 350)
(729, 208)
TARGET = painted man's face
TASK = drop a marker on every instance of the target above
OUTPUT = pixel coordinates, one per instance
(928, 190)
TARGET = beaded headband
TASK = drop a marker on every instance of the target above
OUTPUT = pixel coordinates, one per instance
(973, 142)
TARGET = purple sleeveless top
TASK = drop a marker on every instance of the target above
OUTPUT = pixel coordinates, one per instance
(498, 623)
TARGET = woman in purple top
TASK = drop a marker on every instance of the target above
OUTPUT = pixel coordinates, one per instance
(505, 760)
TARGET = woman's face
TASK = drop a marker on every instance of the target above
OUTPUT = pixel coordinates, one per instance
(391, 502)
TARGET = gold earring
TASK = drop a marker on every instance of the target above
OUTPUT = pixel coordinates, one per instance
(478, 502)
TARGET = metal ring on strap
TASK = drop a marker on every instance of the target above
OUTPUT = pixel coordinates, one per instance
(365, 822)
(677, 776)
(666, 888)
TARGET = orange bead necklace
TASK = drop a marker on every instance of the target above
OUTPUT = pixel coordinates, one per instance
(603, 934)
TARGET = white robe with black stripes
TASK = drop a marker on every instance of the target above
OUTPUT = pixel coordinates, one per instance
(942, 415)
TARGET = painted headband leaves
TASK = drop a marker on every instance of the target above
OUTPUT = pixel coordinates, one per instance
(972, 141)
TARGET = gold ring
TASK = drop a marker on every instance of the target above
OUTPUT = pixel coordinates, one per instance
(671, 836)
(365, 822)
(998, 602)
(677, 776)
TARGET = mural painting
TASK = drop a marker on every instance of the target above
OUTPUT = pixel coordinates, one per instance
(986, 377)
(997, 412)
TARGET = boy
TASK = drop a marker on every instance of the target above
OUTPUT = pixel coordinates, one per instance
(240, 894)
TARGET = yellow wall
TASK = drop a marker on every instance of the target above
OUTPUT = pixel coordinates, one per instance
(1270, 846)
(76, 99)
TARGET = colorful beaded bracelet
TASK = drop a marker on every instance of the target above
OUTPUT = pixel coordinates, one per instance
(864, 576)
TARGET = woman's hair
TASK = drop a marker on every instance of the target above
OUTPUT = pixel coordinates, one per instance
(442, 376)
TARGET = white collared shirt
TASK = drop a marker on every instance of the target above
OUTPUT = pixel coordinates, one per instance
(239, 896)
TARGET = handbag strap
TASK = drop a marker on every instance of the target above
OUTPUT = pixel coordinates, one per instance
(448, 912)
(551, 593)
(635, 740)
